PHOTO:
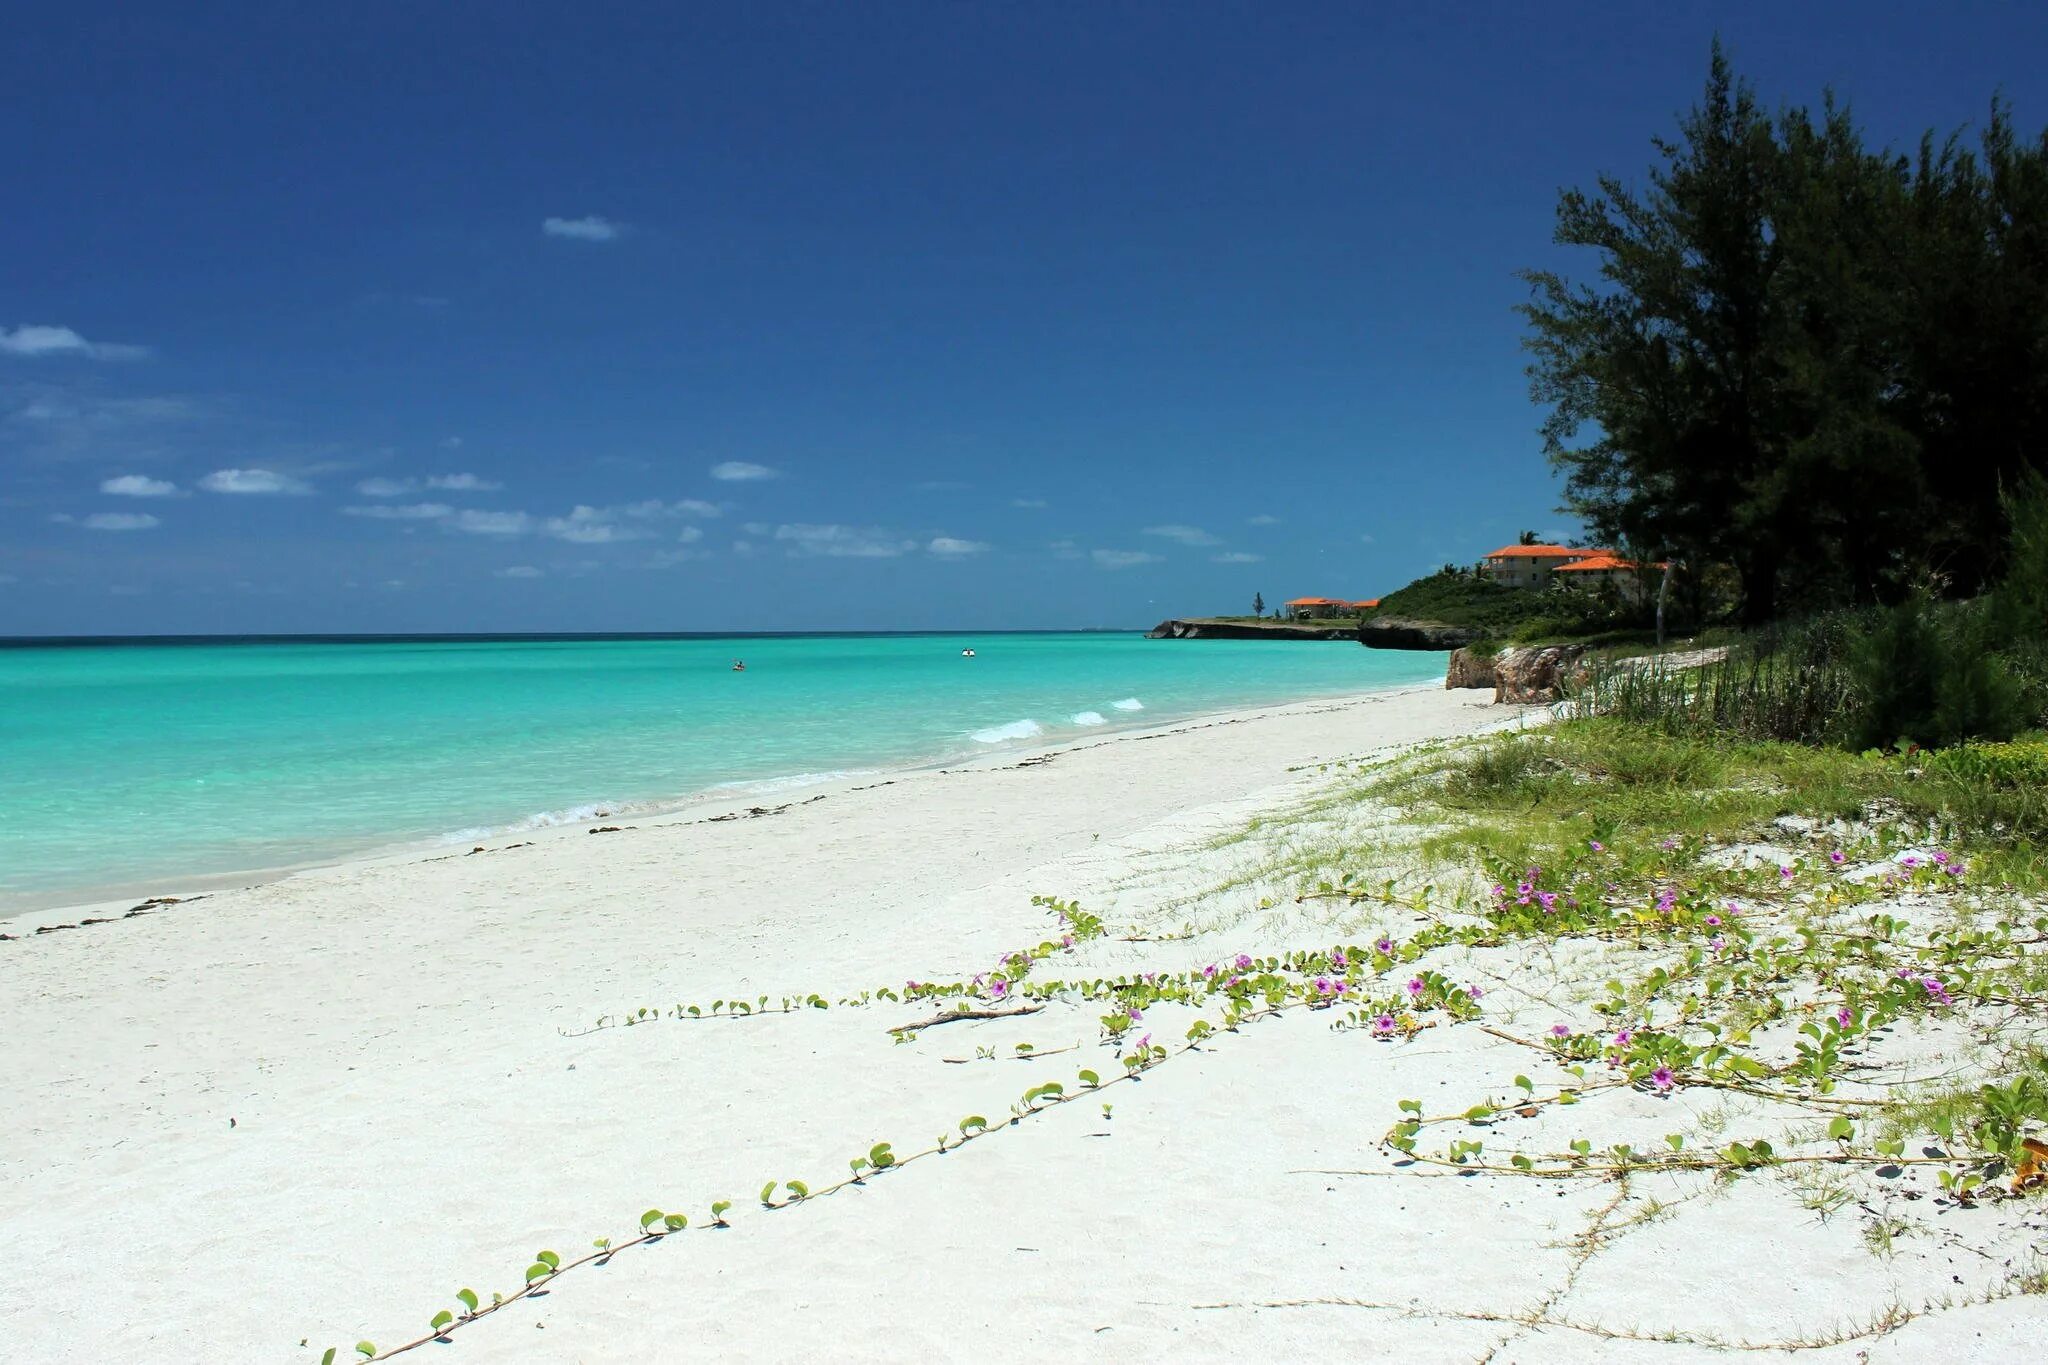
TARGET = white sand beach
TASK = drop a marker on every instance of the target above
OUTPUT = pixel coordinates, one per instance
(304, 1113)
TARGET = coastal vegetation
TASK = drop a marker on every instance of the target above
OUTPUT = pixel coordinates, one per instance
(1814, 361)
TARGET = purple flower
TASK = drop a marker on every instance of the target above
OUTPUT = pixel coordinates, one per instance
(1549, 899)
(1209, 972)
(1936, 989)
(1713, 921)
(1838, 857)
(999, 988)
(1843, 1017)
(1414, 986)
(1597, 846)
(1560, 1031)
(1661, 1078)
(1621, 1037)
(1717, 943)
(1244, 962)
(1066, 940)
(1338, 960)
(1785, 873)
(1666, 899)
(1384, 1024)
(1145, 1043)
(1474, 992)
(1385, 946)
(1940, 858)
(1909, 861)
(1324, 986)
(1669, 843)
(1135, 1013)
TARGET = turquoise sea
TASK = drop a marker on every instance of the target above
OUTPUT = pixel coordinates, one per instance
(122, 763)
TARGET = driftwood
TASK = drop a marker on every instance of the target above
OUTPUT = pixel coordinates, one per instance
(948, 1016)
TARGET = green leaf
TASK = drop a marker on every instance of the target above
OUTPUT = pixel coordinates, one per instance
(441, 1319)
(799, 1189)
(328, 1359)
(649, 1219)
(1528, 1086)
(366, 1349)
(548, 1259)
(1841, 1129)
(1411, 1106)
(855, 1165)
(974, 1121)
(675, 1222)
(1479, 1113)
(1089, 1078)
(468, 1297)
(880, 1156)
(768, 1193)
(718, 1209)
(536, 1271)
(1677, 1141)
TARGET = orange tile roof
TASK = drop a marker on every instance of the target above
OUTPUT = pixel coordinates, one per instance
(1541, 552)
(1318, 602)
(1368, 604)
(1605, 559)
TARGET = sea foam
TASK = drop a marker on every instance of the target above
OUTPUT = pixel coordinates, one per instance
(1128, 704)
(1089, 718)
(1002, 734)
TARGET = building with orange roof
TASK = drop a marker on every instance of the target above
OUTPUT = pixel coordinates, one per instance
(1300, 608)
(1604, 567)
(1530, 566)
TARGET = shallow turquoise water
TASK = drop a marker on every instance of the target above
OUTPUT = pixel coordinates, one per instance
(121, 763)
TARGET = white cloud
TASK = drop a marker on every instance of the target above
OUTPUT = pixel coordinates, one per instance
(34, 341)
(252, 481)
(1264, 519)
(409, 511)
(1065, 549)
(1185, 535)
(1367, 538)
(1028, 504)
(668, 559)
(587, 229)
(739, 471)
(948, 547)
(441, 483)
(520, 571)
(1236, 557)
(138, 486)
(473, 522)
(940, 486)
(655, 507)
(758, 528)
(1121, 559)
(110, 521)
(690, 534)
(842, 542)
(589, 526)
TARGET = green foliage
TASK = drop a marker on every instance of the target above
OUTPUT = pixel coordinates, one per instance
(1785, 319)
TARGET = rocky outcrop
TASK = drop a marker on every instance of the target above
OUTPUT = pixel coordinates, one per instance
(1247, 630)
(1393, 632)
(1469, 668)
(1541, 674)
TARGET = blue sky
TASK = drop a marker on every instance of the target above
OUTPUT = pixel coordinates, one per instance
(609, 317)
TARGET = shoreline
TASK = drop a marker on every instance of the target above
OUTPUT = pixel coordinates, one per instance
(26, 911)
(317, 1101)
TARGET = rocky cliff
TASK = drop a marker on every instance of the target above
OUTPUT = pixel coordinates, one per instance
(1393, 632)
(1469, 668)
(1198, 628)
